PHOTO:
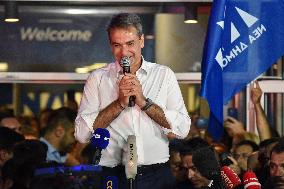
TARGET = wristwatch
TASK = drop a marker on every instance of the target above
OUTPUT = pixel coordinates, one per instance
(148, 104)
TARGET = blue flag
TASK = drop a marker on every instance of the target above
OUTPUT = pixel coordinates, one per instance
(244, 39)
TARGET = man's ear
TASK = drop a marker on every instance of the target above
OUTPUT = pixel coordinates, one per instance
(3, 153)
(142, 41)
(59, 131)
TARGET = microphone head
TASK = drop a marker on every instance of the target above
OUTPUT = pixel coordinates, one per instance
(131, 159)
(250, 181)
(125, 61)
(230, 178)
(206, 163)
(100, 138)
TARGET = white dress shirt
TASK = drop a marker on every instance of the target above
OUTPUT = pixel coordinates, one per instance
(160, 85)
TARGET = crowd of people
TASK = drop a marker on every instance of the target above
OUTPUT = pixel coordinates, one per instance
(172, 151)
(195, 162)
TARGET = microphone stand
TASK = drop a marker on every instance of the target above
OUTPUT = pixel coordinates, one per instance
(130, 183)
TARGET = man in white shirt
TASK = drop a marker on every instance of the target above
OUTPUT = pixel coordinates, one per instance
(159, 107)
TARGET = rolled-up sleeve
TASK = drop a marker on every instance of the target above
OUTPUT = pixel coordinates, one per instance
(88, 110)
(175, 110)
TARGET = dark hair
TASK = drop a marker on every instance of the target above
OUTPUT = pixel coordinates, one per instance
(267, 142)
(64, 116)
(176, 145)
(205, 161)
(126, 20)
(30, 150)
(249, 143)
(191, 145)
(8, 138)
(279, 147)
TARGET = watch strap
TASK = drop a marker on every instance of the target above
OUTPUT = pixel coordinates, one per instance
(148, 104)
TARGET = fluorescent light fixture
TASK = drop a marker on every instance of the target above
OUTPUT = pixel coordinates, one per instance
(82, 70)
(190, 14)
(87, 69)
(79, 11)
(3, 66)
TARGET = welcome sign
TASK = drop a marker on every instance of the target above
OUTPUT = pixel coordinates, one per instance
(43, 42)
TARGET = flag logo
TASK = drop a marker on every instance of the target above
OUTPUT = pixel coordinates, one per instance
(239, 46)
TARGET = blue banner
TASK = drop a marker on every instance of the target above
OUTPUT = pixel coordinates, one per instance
(244, 39)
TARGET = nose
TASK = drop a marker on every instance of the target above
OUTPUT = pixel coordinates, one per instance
(124, 51)
(275, 172)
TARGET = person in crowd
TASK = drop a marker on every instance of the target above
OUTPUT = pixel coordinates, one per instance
(29, 127)
(159, 107)
(59, 136)
(259, 161)
(193, 175)
(8, 139)
(237, 132)
(276, 182)
(176, 145)
(43, 118)
(206, 165)
(236, 129)
(276, 165)
(11, 122)
(242, 151)
(262, 124)
(18, 171)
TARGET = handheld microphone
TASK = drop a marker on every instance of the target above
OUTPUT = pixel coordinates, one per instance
(125, 64)
(230, 178)
(131, 159)
(99, 141)
(250, 181)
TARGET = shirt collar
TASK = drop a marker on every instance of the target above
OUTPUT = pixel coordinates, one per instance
(50, 149)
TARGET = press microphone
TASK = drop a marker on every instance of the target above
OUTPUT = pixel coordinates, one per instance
(250, 181)
(99, 141)
(125, 64)
(230, 178)
(131, 160)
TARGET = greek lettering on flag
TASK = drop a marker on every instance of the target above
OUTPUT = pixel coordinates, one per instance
(244, 39)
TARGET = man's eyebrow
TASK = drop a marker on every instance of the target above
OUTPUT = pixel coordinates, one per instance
(121, 43)
(130, 41)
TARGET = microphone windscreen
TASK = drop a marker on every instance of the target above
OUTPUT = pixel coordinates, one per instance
(125, 61)
(250, 181)
(131, 158)
(100, 138)
(230, 178)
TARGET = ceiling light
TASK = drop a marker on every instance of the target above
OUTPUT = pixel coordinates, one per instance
(11, 11)
(190, 14)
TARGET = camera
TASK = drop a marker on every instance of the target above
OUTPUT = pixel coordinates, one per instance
(224, 160)
(202, 123)
(233, 112)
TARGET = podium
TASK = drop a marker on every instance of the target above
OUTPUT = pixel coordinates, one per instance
(85, 176)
